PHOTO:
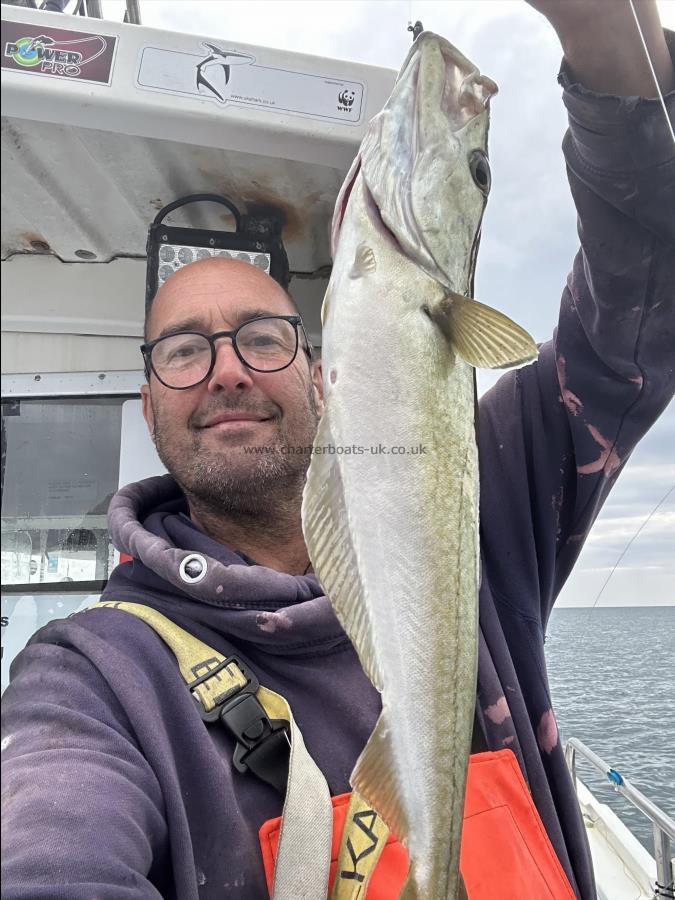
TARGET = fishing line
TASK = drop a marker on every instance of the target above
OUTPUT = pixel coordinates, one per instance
(415, 29)
(651, 68)
(628, 545)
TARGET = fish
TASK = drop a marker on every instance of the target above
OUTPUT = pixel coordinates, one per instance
(390, 504)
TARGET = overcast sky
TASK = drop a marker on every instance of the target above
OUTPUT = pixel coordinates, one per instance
(529, 235)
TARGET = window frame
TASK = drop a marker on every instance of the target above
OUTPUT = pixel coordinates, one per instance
(68, 385)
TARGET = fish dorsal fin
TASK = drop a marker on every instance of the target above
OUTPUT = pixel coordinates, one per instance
(375, 777)
(326, 526)
(482, 336)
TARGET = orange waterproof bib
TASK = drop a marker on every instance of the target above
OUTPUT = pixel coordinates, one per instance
(505, 854)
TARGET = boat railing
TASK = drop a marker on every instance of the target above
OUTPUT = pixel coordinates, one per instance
(94, 10)
(663, 825)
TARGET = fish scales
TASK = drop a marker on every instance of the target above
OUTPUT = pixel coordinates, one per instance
(392, 533)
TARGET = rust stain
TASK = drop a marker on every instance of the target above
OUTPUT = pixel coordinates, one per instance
(14, 135)
(259, 198)
(292, 222)
(33, 242)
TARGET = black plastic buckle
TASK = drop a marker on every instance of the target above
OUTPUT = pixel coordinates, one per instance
(262, 743)
(213, 714)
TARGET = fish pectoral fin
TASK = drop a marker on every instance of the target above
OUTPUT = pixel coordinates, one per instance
(364, 262)
(482, 336)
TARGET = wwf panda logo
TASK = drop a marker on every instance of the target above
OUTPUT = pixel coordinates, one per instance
(345, 99)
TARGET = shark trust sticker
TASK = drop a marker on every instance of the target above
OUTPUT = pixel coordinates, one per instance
(229, 76)
(57, 52)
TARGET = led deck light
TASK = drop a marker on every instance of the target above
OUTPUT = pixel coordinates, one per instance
(256, 240)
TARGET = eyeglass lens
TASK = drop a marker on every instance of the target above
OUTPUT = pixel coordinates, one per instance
(181, 360)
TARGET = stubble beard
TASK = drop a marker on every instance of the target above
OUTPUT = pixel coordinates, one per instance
(243, 486)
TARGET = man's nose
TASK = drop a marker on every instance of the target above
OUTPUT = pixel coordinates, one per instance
(229, 372)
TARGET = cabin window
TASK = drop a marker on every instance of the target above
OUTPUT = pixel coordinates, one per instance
(60, 467)
(63, 458)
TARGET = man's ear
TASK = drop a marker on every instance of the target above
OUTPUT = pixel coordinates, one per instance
(148, 413)
(317, 384)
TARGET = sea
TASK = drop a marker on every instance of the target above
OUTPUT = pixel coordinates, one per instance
(612, 678)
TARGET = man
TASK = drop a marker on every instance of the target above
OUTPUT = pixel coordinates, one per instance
(115, 788)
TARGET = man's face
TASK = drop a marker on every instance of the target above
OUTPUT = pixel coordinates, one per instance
(206, 455)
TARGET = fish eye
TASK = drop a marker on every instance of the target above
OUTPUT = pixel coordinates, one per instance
(480, 170)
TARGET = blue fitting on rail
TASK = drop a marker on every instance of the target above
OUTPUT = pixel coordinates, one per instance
(614, 776)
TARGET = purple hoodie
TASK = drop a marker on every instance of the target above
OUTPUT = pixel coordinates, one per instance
(114, 788)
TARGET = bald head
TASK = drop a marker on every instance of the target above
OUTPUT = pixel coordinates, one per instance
(218, 281)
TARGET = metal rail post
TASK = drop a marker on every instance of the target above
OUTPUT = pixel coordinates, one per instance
(665, 882)
(94, 9)
(133, 13)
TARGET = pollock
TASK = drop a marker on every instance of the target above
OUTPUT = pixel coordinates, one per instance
(392, 526)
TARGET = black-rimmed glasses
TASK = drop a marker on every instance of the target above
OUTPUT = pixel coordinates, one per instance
(264, 344)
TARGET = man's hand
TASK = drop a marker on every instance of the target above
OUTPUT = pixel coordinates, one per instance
(602, 46)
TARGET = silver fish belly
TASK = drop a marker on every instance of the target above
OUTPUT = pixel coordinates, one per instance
(390, 510)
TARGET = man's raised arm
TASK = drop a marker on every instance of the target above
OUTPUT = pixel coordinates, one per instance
(603, 50)
(555, 434)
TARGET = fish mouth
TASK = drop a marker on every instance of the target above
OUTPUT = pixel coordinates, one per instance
(466, 92)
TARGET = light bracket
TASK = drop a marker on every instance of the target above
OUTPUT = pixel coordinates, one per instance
(256, 240)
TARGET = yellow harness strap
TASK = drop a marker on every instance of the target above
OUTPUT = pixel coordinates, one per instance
(363, 840)
(195, 659)
(303, 858)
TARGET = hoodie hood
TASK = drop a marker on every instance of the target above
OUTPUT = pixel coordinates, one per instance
(174, 561)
